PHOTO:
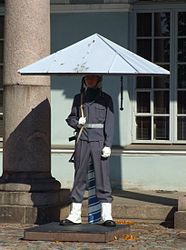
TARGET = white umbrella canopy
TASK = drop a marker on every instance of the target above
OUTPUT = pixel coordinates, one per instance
(94, 55)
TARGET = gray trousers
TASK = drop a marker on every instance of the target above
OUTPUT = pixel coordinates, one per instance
(87, 153)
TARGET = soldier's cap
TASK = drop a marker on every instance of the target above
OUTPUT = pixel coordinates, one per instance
(98, 75)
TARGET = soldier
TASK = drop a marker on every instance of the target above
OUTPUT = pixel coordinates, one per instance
(93, 117)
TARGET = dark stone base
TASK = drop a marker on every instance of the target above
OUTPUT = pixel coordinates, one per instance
(76, 233)
(29, 214)
(29, 200)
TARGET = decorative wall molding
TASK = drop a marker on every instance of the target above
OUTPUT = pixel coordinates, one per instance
(80, 8)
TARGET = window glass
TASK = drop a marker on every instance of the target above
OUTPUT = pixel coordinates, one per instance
(144, 48)
(162, 24)
(143, 102)
(143, 82)
(1, 77)
(1, 125)
(181, 49)
(1, 104)
(181, 102)
(181, 128)
(161, 50)
(161, 82)
(161, 102)
(1, 27)
(1, 51)
(143, 127)
(161, 128)
(182, 24)
(181, 76)
(144, 23)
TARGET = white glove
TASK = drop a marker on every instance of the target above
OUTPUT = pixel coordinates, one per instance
(106, 152)
(82, 121)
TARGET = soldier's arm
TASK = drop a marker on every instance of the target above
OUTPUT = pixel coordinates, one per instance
(72, 119)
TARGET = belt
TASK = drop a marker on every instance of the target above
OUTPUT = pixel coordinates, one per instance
(94, 125)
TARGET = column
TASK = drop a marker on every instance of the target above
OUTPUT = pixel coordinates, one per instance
(28, 192)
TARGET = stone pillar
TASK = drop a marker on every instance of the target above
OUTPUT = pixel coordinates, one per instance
(28, 192)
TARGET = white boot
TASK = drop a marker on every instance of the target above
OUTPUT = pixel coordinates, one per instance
(106, 215)
(75, 213)
(106, 211)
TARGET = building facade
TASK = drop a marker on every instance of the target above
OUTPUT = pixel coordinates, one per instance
(149, 149)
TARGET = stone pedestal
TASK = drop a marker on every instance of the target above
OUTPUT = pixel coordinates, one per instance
(28, 192)
(180, 215)
(76, 233)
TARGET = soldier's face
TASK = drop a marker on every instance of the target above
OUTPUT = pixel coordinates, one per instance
(91, 81)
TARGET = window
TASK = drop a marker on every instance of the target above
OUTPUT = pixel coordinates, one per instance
(181, 75)
(1, 74)
(160, 107)
(152, 115)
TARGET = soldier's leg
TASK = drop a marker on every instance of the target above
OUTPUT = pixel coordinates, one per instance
(82, 158)
(102, 173)
(103, 186)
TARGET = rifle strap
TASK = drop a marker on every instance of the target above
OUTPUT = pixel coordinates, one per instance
(82, 115)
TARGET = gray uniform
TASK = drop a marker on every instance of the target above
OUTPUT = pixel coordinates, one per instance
(98, 110)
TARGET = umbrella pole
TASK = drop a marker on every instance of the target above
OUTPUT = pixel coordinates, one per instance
(121, 90)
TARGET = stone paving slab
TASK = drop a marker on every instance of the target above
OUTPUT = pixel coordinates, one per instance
(75, 233)
(142, 237)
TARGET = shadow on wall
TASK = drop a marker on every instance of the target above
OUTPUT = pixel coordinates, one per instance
(70, 86)
(27, 171)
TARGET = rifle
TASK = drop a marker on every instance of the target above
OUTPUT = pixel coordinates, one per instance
(78, 134)
(72, 138)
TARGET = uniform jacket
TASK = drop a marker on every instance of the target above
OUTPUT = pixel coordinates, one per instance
(100, 110)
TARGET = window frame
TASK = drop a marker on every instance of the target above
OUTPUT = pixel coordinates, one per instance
(1, 65)
(173, 10)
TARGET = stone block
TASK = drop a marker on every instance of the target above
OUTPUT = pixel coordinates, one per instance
(12, 214)
(182, 203)
(180, 220)
(42, 214)
(29, 215)
(142, 212)
(76, 233)
(29, 199)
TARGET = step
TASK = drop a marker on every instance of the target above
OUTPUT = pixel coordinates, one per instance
(136, 205)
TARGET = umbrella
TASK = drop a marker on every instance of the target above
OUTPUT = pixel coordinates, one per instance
(94, 54)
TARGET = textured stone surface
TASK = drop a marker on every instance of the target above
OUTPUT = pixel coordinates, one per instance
(27, 118)
(27, 36)
(180, 220)
(26, 99)
(76, 233)
(142, 205)
(28, 214)
(142, 237)
(182, 203)
(27, 132)
(29, 198)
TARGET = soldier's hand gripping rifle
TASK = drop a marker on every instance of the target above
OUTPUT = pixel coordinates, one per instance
(78, 134)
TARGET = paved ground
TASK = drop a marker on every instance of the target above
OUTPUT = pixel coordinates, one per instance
(143, 236)
(137, 207)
